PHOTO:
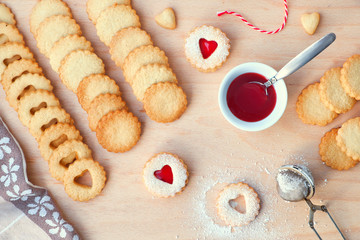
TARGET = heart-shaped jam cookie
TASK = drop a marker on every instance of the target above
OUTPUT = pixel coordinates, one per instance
(165, 175)
(207, 48)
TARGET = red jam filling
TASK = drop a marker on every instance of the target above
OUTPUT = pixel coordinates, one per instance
(165, 174)
(248, 101)
(207, 47)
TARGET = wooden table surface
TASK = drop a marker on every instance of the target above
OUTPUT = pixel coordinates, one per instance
(215, 152)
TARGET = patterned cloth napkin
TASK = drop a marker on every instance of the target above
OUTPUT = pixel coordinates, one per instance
(21, 201)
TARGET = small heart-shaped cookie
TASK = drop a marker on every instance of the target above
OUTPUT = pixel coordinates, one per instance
(310, 22)
(166, 19)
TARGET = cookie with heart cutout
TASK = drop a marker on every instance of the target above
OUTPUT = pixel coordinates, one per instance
(207, 48)
(228, 213)
(165, 175)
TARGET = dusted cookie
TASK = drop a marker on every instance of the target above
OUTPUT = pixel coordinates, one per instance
(348, 138)
(94, 85)
(164, 102)
(113, 19)
(54, 28)
(127, 40)
(165, 175)
(101, 106)
(311, 109)
(12, 51)
(350, 76)
(78, 65)
(64, 47)
(47, 8)
(141, 56)
(9, 33)
(118, 131)
(95, 7)
(332, 155)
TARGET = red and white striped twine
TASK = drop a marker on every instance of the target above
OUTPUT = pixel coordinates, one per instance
(256, 28)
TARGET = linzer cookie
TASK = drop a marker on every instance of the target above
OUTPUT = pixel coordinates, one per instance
(12, 51)
(148, 75)
(141, 56)
(207, 48)
(65, 46)
(9, 33)
(350, 76)
(113, 19)
(127, 40)
(78, 65)
(95, 7)
(348, 138)
(54, 28)
(311, 109)
(164, 102)
(332, 155)
(118, 131)
(17, 68)
(94, 85)
(47, 8)
(102, 105)
(165, 175)
(6, 15)
(332, 93)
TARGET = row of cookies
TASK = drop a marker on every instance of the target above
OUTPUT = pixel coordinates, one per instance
(145, 66)
(337, 92)
(30, 93)
(82, 71)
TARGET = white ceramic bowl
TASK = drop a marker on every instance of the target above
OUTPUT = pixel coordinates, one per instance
(281, 97)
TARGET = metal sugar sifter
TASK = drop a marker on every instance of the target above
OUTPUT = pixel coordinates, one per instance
(295, 183)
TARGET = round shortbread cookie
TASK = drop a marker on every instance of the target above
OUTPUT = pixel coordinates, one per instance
(148, 75)
(47, 8)
(79, 192)
(95, 7)
(33, 101)
(201, 52)
(64, 155)
(17, 68)
(26, 83)
(141, 56)
(102, 105)
(113, 19)
(332, 93)
(54, 28)
(65, 46)
(229, 214)
(348, 138)
(77, 65)
(93, 86)
(350, 77)
(164, 102)
(55, 135)
(6, 15)
(45, 118)
(310, 108)
(12, 51)
(118, 131)
(332, 155)
(127, 40)
(165, 175)
(9, 33)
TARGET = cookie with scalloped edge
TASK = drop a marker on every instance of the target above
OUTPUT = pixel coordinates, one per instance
(348, 138)
(13, 51)
(6, 15)
(332, 93)
(9, 33)
(127, 40)
(47, 8)
(310, 108)
(95, 7)
(52, 29)
(113, 19)
(350, 76)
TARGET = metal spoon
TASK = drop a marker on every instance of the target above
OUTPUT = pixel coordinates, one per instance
(295, 183)
(300, 60)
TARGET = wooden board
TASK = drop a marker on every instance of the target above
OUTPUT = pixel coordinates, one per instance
(216, 152)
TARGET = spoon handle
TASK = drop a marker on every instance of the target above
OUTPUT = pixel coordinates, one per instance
(305, 56)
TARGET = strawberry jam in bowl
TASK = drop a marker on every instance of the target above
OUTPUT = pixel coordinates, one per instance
(245, 104)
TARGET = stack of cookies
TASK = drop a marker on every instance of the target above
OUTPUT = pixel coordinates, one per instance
(82, 71)
(30, 93)
(145, 66)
